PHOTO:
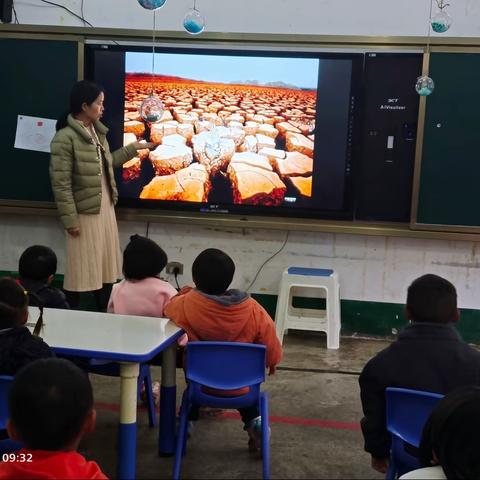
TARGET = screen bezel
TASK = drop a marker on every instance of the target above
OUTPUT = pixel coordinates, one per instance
(356, 92)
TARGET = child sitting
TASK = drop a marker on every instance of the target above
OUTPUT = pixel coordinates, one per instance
(211, 312)
(18, 346)
(142, 292)
(51, 409)
(428, 355)
(451, 438)
(37, 267)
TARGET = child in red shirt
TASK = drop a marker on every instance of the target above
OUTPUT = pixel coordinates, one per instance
(51, 408)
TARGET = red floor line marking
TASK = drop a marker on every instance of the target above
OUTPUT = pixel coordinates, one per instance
(112, 407)
(304, 422)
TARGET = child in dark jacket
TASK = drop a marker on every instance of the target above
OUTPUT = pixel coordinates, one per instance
(37, 267)
(211, 312)
(50, 410)
(18, 346)
(428, 355)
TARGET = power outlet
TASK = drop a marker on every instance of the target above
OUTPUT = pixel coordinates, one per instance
(174, 267)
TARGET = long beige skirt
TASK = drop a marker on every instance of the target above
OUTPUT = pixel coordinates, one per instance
(93, 258)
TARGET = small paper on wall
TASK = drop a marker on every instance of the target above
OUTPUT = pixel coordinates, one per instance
(34, 133)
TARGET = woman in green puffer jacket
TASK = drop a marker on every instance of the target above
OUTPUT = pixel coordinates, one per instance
(83, 183)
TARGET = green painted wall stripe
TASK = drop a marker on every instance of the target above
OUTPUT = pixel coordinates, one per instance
(358, 317)
(375, 318)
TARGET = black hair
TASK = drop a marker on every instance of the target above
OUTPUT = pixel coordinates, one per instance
(49, 401)
(82, 92)
(452, 434)
(37, 263)
(143, 258)
(213, 271)
(431, 298)
(13, 303)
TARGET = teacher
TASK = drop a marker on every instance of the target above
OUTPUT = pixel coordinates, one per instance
(83, 184)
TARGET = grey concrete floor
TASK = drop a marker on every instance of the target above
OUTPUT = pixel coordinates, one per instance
(314, 407)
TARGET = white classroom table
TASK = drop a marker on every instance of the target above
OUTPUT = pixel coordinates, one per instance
(129, 341)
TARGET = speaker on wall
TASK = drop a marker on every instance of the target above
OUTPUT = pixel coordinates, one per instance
(385, 173)
(6, 7)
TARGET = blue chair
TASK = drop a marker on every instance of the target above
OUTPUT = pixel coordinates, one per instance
(407, 413)
(111, 369)
(224, 366)
(5, 382)
(6, 445)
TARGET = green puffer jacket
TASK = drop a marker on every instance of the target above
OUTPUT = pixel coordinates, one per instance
(75, 170)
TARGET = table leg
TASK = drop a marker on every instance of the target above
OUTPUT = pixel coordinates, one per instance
(168, 398)
(127, 444)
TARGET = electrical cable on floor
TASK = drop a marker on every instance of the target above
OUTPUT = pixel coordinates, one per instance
(267, 260)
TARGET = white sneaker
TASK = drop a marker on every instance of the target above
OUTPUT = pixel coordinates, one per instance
(254, 430)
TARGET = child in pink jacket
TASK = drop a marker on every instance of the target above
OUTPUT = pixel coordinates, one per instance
(142, 292)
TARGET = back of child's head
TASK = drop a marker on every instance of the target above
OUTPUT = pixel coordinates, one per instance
(143, 258)
(37, 263)
(13, 303)
(433, 299)
(451, 435)
(213, 271)
(49, 401)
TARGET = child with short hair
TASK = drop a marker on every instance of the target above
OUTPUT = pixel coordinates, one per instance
(51, 409)
(211, 312)
(142, 292)
(37, 267)
(428, 355)
(18, 346)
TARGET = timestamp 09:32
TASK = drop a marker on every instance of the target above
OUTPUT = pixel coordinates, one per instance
(17, 457)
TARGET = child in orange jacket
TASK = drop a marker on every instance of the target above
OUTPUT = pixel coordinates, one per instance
(210, 312)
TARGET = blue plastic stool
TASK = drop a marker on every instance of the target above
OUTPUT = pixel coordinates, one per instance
(224, 366)
(407, 413)
(312, 279)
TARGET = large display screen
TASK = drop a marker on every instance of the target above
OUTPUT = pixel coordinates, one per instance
(241, 132)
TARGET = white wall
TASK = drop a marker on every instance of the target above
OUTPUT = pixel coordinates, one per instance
(328, 17)
(370, 268)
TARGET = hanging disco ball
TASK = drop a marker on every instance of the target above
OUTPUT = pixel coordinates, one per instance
(441, 22)
(424, 86)
(151, 109)
(194, 22)
(152, 4)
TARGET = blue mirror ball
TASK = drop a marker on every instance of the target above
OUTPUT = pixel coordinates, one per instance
(152, 4)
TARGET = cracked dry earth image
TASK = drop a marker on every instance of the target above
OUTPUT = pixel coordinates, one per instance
(221, 143)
